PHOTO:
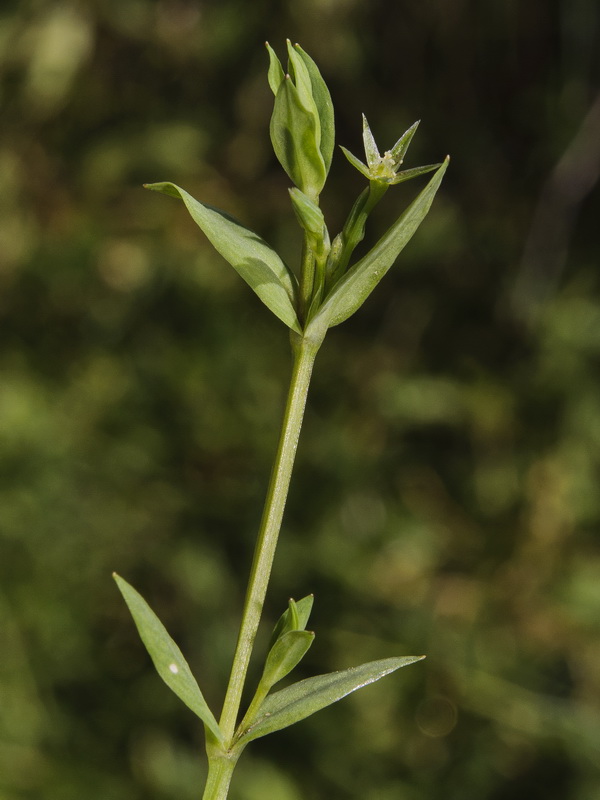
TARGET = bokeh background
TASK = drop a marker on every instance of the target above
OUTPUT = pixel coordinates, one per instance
(446, 498)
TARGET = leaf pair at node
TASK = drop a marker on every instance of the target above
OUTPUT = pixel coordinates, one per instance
(268, 712)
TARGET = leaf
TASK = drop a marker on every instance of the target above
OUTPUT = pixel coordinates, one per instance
(275, 74)
(167, 657)
(324, 107)
(302, 82)
(351, 291)
(285, 654)
(303, 609)
(308, 214)
(256, 261)
(302, 699)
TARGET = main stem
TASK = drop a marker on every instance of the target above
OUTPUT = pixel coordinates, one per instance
(264, 553)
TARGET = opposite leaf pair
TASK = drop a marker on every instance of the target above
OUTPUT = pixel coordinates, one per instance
(267, 713)
(275, 283)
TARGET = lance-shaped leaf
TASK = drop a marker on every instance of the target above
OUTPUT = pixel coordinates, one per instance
(302, 699)
(256, 261)
(350, 292)
(167, 657)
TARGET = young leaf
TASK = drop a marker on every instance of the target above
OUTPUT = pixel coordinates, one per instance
(324, 107)
(350, 292)
(302, 699)
(309, 214)
(256, 262)
(276, 74)
(285, 654)
(295, 139)
(302, 82)
(167, 657)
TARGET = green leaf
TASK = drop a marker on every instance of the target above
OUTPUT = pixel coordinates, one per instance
(302, 699)
(295, 142)
(167, 657)
(295, 617)
(255, 260)
(302, 82)
(303, 609)
(276, 74)
(351, 291)
(285, 654)
(309, 214)
(324, 105)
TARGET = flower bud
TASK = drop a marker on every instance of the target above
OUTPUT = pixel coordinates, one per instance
(302, 127)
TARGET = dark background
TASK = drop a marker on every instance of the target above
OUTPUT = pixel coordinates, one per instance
(446, 498)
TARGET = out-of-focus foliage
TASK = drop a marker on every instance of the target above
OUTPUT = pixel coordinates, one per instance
(447, 493)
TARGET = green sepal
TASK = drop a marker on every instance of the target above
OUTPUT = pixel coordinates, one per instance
(255, 261)
(371, 150)
(407, 174)
(398, 151)
(294, 618)
(167, 657)
(353, 288)
(300, 700)
(356, 163)
(294, 136)
(286, 653)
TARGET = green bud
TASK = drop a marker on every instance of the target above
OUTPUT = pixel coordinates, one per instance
(302, 127)
(294, 618)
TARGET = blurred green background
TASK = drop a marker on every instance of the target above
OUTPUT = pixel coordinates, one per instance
(446, 498)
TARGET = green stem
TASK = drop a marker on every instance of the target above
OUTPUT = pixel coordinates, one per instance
(304, 356)
(354, 229)
(220, 770)
(307, 279)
